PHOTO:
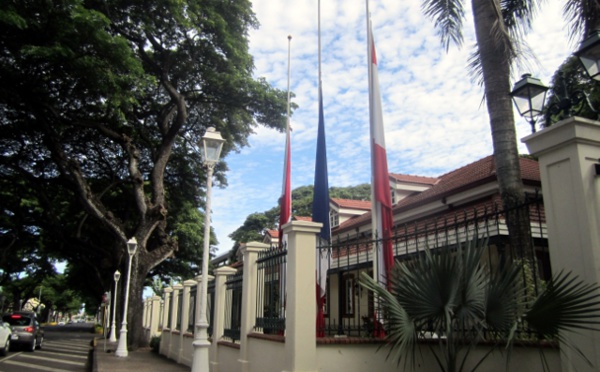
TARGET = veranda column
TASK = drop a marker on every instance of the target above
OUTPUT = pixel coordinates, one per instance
(568, 153)
(301, 308)
(250, 253)
(165, 340)
(218, 325)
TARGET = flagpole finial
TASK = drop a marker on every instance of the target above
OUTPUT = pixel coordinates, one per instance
(289, 37)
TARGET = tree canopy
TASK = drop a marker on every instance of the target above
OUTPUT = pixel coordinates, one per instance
(257, 223)
(102, 107)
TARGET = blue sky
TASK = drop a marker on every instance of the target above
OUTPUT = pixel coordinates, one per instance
(434, 117)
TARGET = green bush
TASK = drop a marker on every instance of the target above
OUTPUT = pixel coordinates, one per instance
(155, 344)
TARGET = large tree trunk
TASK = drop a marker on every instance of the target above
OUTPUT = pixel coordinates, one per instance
(495, 58)
(135, 308)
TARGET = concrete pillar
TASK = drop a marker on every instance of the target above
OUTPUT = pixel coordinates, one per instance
(166, 327)
(174, 349)
(301, 308)
(568, 153)
(144, 314)
(250, 253)
(185, 313)
(154, 315)
(219, 310)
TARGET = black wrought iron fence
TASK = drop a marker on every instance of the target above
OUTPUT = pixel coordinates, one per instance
(192, 309)
(349, 309)
(270, 290)
(179, 310)
(170, 312)
(210, 309)
(233, 306)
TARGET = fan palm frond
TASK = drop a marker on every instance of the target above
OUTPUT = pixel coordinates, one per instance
(400, 328)
(566, 304)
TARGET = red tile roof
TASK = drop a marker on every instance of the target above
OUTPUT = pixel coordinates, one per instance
(352, 204)
(303, 218)
(472, 175)
(273, 233)
(414, 179)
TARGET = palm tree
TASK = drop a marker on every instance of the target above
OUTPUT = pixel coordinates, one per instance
(499, 27)
(451, 296)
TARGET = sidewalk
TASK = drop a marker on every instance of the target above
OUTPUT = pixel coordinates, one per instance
(141, 360)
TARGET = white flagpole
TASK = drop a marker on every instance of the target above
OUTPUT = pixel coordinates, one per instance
(374, 204)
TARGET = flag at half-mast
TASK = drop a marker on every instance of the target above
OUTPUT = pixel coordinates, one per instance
(320, 213)
(382, 216)
(285, 201)
(320, 207)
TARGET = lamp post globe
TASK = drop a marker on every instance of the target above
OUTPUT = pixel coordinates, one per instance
(529, 95)
(212, 144)
(122, 345)
(589, 55)
(113, 332)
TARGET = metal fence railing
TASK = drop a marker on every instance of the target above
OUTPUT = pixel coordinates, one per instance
(192, 309)
(270, 289)
(233, 306)
(348, 308)
(210, 307)
(179, 313)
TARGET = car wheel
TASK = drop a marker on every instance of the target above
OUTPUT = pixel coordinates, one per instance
(32, 346)
(39, 345)
(6, 349)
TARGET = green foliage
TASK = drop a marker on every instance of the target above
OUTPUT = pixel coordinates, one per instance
(451, 294)
(100, 130)
(257, 223)
(571, 93)
(155, 344)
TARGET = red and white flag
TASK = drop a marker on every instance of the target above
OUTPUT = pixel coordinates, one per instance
(382, 217)
(285, 200)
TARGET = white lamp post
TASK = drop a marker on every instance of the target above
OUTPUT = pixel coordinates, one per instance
(212, 144)
(113, 331)
(122, 346)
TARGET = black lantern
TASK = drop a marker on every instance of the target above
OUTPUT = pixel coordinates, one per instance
(589, 55)
(529, 95)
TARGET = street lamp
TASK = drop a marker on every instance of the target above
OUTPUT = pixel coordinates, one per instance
(113, 332)
(529, 95)
(589, 55)
(212, 144)
(122, 346)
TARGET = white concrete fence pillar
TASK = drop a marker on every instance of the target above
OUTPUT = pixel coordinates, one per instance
(144, 314)
(184, 318)
(250, 253)
(218, 309)
(301, 307)
(568, 153)
(165, 338)
(173, 345)
(154, 315)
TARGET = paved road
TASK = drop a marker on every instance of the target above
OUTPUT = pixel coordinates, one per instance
(65, 349)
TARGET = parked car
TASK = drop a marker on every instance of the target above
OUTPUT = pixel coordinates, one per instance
(5, 333)
(26, 330)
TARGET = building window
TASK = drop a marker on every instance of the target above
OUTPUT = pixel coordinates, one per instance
(334, 219)
(393, 195)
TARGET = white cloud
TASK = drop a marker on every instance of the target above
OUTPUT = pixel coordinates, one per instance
(434, 117)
